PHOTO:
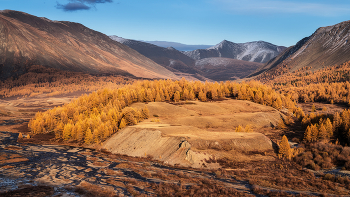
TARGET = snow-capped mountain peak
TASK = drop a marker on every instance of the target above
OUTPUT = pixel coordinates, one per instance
(257, 51)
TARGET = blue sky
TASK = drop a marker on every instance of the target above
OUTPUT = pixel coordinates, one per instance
(194, 21)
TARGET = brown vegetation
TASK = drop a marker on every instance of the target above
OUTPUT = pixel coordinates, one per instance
(44, 80)
(324, 155)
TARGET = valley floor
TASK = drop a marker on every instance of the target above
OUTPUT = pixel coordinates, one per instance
(52, 169)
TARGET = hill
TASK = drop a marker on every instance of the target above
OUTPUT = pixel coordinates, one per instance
(197, 131)
(327, 46)
(258, 51)
(29, 40)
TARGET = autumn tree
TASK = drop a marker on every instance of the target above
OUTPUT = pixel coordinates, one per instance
(322, 132)
(202, 96)
(248, 128)
(314, 132)
(284, 148)
(88, 137)
(239, 128)
(145, 112)
(177, 96)
(313, 108)
(158, 98)
(93, 118)
(307, 134)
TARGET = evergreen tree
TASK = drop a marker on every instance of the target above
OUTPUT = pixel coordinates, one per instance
(122, 123)
(177, 96)
(191, 95)
(248, 128)
(258, 97)
(145, 112)
(202, 96)
(88, 137)
(129, 116)
(185, 95)
(166, 95)
(158, 99)
(67, 131)
(314, 132)
(329, 128)
(284, 149)
(322, 134)
(313, 108)
(307, 134)
(239, 128)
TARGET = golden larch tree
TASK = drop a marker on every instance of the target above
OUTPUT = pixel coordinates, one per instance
(284, 149)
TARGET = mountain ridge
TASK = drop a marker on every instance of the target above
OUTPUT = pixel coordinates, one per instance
(214, 68)
(178, 46)
(170, 58)
(31, 40)
(327, 46)
(256, 51)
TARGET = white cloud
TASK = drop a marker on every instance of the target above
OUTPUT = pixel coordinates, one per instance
(280, 7)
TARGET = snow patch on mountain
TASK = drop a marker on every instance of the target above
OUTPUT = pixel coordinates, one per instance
(118, 39)
(258, 51)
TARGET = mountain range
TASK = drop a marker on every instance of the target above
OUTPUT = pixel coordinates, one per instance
(169, 58)
(258, 51)
(212, 67)
(29, 40)
(178, 46)
(327, 46)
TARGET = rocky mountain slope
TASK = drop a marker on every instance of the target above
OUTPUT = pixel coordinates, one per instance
(258, 51)
(327, 46)
(169, 58)
(29, 40)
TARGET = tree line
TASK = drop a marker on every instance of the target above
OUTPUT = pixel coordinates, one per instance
(92, 118)
(50, 81)
(330, 84)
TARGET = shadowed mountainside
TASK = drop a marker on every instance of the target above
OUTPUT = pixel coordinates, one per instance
(326, 47)
(169, 58)
(28, 40)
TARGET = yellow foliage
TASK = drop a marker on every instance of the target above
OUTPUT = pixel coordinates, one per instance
(93, 118)
(284, 148)
(239, 128)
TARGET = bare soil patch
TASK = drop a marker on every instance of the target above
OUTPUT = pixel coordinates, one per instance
(190, 133)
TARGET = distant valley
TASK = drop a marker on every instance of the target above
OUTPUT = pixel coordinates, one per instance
(224, 61)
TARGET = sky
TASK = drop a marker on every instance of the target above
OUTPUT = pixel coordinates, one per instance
(280, 22)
